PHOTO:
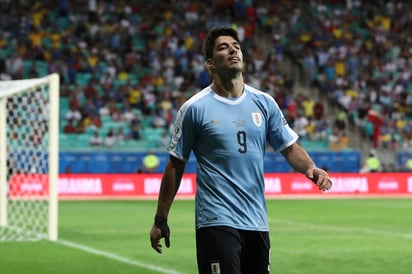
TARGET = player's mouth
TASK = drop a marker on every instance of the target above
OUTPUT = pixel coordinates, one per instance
(234, 59)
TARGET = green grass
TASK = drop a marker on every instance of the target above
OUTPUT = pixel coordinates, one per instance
(328, 236)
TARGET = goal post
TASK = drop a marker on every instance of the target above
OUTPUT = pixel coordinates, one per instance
(29, 155)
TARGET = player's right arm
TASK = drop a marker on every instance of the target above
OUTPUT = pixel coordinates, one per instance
(171, 179)
(170, 184)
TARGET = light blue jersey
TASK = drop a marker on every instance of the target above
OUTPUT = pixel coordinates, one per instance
(228, 138)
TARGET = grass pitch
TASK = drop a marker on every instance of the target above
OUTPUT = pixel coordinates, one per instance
(341, 236)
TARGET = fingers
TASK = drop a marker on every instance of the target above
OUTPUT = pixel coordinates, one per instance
(167, 241)
(309, 174)
(155, 237)
(325, 184)
(157, 246)
(155, 242)
(320, 178)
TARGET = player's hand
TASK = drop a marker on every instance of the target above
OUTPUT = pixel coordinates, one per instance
(320, 177)
(160, 230)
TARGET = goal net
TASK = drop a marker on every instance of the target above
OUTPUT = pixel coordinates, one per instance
(29, 122)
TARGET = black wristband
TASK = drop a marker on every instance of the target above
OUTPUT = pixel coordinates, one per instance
(161, 222)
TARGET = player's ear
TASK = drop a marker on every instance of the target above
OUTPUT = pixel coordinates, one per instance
(209, 64)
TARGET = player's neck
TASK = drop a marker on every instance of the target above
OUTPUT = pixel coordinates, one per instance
(229, 88)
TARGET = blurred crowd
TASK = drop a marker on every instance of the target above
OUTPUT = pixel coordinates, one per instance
(137, 61)
(358, 53)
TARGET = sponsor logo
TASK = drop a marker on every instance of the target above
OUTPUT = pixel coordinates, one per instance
(410, 184)
(123, 187)
(301, 186)
(273, 185)
(388, 185)
(239, 123)
(31, 187)
(80, 186)
(215, 266)
(349, 185)
(152, 186)
(186, 187)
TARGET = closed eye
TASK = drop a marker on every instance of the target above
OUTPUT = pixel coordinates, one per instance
(224, 46)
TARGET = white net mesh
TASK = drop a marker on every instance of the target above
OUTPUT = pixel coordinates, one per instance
(27, 147)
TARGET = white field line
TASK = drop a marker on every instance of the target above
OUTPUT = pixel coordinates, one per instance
(117, 257)
(345, 229)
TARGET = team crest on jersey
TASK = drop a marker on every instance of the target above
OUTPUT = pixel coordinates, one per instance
(257, 118)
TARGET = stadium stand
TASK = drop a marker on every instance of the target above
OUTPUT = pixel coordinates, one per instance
(128, 66)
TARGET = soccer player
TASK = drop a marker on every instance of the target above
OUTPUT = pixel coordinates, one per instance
(227, 125)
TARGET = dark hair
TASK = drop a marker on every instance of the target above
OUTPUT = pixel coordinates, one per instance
(213, 34)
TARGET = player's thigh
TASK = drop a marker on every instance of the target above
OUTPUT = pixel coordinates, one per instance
(255, 257)
(218, 250)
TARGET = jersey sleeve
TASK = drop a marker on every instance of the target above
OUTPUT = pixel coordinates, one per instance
(183, 134)
(280, 134)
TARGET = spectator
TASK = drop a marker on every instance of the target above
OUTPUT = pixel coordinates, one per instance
(90, 91)
(322, 126)
(110, 138)
(164, 141)
(95, 140)
(334, 139)
(408, 164)
(135, 132)
(135, 96)
(114, 111)
(372, 163)
(73, 114)
(16, 64)
(300, 125)
(4, 76)
(127, 114)
(120, 136)
(150, 163)
(36, 138)
(344, 141)
(310, 129)
(70, 127)
(318, 110)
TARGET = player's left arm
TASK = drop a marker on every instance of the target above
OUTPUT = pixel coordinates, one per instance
(300, 161)
(171, 179)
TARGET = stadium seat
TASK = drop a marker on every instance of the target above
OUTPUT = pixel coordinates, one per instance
(83, 78)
